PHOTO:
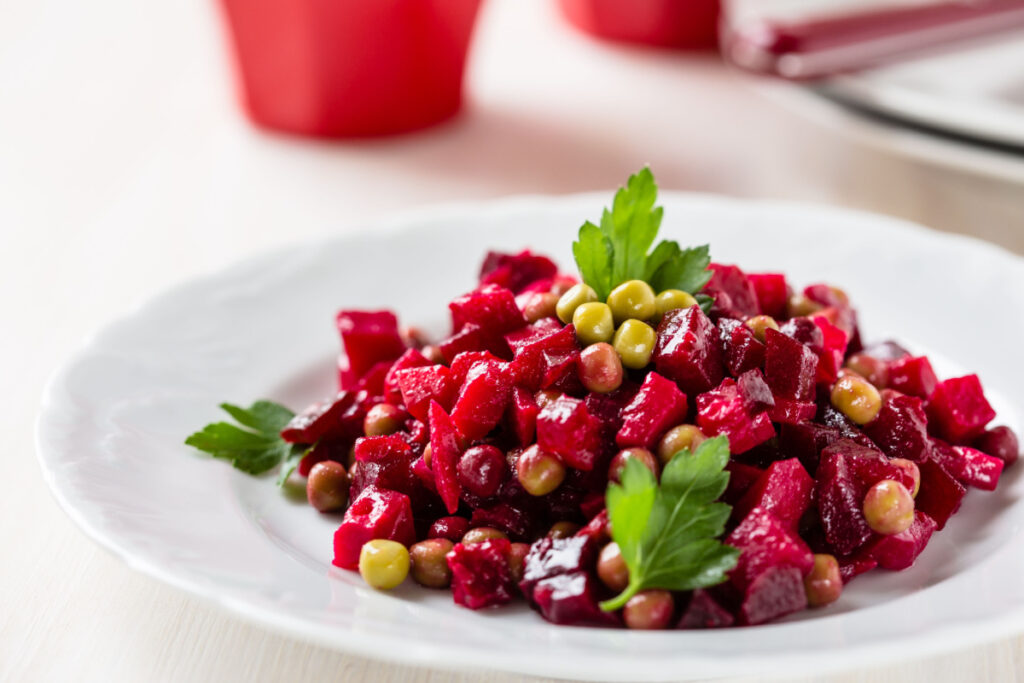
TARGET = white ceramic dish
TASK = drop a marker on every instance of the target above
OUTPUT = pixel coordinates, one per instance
(114, 416)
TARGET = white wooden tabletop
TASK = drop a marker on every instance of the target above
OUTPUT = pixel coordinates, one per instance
(125, 167)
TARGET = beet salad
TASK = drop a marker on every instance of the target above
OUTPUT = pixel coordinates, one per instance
(658, 442)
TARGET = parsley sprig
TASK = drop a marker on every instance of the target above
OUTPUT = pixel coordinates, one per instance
(255, 447)
(619, 249)
(668, 534)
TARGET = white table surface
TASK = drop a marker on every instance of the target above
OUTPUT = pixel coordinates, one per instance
(125, 167)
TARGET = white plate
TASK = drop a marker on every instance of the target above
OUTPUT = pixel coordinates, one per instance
(114, 417)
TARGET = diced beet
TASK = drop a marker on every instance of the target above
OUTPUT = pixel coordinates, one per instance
(560, 371)
(940, 494)
(421, 385)
(317, 454)
(703, 611)
(372, 381)
(504, 517)
(834, 342)
(724, 411)
(958, 410)
(337, 420)
(554, 556)
(494, 309)
(851, 568)
(886, 350)
(423, 472)
(445, 450)
(765, 543)
(912, 376)
(537, 349)
(901, 428)
(733, 282)
(790, 367)
(784, 489)
(657, 407)
(368, 337)
(687, 350)
(755, 391)
(566, 429)
(772, 292)
(453, 528)
(483, 398)
(375, 513)
(516, 271)
(969, 466)
(740, 348)
(806, 441)
(607, 408)
(869, 467)
(385, 462)
(469, 338)
(805, 331)
(571, 599)
(788, 411)
(410, 359)
(899, 551)
(840, 504)
(1000, 442)
(480, 574)
(462, 363)
(523, 411)
(774, 593)
(741, 478)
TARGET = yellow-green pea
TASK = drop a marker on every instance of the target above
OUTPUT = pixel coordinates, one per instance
(383, 563)
(632, 299)
(671, 299)
(593, 322)
(634, 340)
(576, 296)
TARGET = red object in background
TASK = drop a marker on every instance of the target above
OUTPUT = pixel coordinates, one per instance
(665, 23)
(350, 68)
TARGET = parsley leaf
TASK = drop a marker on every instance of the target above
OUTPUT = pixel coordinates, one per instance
(255, 447)
(620, 248)
(668, 534)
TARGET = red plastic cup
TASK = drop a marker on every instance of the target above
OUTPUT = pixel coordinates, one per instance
(689, 24)
(350, 68)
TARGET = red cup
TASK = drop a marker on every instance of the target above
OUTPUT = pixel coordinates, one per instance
(665, 23)
(350, 68)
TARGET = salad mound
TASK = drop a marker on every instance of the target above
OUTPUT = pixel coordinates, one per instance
(663, 442)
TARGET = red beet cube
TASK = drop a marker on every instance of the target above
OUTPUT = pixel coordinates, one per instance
(792, 412)
(565, 428)
(516, 271)
(755, 391)
(970, 467)
(494, 309)
(740, 348)
(869, 467)
(657, 407)
(523, 411)
(597, 528)
(901, 428)
(445, 450)
(899, 551)
(452, 528)
(912, 376)
(1000, 442)
(833, 351)
(368, 337)
(483, 398)
(790, 367)
(733, 282)
(537, 350)
(385, 462)
(806, 441)
(421, 385)
(772, 293)
(560, 371)
(765, 543)
(784, 489)
(469, 338)
(725, 411)
(410, 359)
(375, 513)
(886, 351)
(840, 498)
(687, 350)
(940, 494)
(480, 574)
(325, 421)
(851, 568)
(571, 599)
(703, 611)
(553, 556)
(958, 410)
(776, 592)
(513, 521)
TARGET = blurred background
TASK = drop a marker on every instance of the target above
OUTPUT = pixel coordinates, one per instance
(142, 143)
